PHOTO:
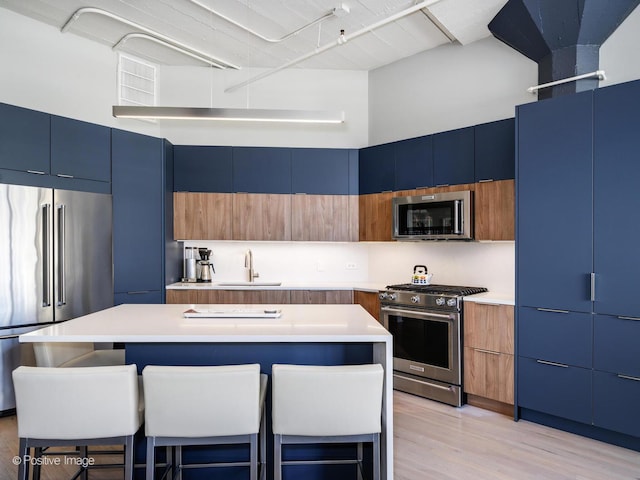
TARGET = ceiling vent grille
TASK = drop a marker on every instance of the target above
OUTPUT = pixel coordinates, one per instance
(136, 82)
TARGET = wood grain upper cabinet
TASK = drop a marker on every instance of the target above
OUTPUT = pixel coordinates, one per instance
(202, 216)
(322, 218)
(488, 352)
(375, 216)
(261, 216)
(495, 210)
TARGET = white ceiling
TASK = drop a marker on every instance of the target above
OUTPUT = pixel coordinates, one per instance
(194, 26)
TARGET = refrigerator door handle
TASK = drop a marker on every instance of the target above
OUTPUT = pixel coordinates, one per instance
(62, 287)
(46, 248)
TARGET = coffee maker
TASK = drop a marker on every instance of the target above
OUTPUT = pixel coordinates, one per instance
(205, 266)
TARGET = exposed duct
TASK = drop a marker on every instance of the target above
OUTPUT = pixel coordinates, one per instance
(562, 36)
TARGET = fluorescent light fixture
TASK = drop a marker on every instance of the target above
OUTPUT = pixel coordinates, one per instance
(233, 114)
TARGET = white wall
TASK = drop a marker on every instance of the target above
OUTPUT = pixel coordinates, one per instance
(448, 87)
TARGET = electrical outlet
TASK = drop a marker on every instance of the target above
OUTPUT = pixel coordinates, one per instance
(351, 266)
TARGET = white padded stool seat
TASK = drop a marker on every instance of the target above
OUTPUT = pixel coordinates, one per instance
(204, 405)
(71, 354)
(77, 406)
(327, 404)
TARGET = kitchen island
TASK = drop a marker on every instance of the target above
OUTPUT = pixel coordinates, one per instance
(302, 334)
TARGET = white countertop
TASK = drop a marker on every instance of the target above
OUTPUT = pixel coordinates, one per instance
(219, 285)
(135, 323)
(491, 298)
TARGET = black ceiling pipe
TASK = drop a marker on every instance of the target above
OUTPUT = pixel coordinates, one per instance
(562, 36)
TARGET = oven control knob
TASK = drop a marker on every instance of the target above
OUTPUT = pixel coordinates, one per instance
(415, 299)
(383, 295)
(451, 302)
(393, 296)
(440, 301)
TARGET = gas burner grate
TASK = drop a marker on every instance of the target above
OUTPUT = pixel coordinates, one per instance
(438, 289)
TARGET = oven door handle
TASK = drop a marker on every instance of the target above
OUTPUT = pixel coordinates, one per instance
(415, 313)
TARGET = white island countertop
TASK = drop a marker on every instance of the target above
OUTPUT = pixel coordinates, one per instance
(139, 323)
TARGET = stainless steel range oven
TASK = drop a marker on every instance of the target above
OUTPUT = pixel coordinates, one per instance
(426, 324)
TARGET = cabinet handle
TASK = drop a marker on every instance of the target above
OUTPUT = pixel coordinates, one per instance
(593, 287)
(552, 310)
(637, 319)
(486, 180)
(37, 172)
(138, 292)
(627, 377)
(490, 352)
(553, 364)
(443, 185)
(62, 175)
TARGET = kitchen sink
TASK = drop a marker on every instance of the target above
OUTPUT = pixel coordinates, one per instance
(248, 284)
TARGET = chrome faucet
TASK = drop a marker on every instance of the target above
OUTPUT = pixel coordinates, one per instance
(248, 263)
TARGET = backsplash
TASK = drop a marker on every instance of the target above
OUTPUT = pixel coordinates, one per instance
(490, 265)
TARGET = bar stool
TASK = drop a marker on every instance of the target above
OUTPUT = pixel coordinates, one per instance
(71, 354)
(77, 406)
(327, 404)
(204, 406)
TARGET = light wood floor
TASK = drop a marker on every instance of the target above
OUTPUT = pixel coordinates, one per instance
(438, 442)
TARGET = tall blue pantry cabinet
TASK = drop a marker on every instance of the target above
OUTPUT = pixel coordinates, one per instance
(145, 255)
(578, 219)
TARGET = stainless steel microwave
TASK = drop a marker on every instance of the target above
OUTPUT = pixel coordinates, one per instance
(439, 216)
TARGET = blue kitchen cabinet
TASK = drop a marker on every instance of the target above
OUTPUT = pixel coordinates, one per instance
(320, 171)
(261, 170)
(617, 201)
(555, 200)
(615, 402)
(354, 171)
(25, 140)
(145, 257)
(555, 389)
(495, 150)
(616, 346)
(414, 163)
(559, 337)
(203, 169)
(377, 169)
(80, 150)
(453, 157)
(139, 297)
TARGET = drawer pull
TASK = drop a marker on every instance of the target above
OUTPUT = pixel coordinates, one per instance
(485, 180)
(138, 292)
(490, 352)
(627, 377)
(552, 310)
(36, 172)
(553, 364)
(637, 319)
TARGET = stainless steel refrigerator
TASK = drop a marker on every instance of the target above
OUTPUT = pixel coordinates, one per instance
(56, 263)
